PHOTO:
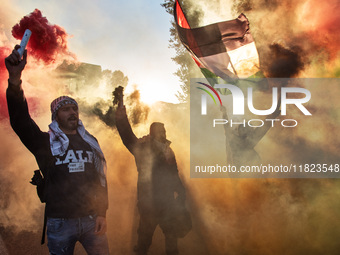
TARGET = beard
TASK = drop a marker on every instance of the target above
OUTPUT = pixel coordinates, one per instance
(70, 124)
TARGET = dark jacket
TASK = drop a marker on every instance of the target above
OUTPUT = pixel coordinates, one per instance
(158, 182)
(69, 195)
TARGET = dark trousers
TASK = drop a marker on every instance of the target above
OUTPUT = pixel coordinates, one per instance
(147, 226)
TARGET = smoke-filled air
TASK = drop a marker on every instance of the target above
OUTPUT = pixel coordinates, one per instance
(230, 216)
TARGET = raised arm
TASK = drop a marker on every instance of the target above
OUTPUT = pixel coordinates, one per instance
(15, 65)
(227, 130)
(124, 129)
(21, 122)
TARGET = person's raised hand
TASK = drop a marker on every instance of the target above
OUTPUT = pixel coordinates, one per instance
(15, 65)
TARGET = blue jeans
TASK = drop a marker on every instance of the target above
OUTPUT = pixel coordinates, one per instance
(62, 235)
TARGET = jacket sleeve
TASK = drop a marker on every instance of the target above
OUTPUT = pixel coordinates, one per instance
(21, 122)
(102, 200)
(124, 129)
(178, 185)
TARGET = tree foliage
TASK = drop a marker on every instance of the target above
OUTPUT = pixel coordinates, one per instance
(187, 67)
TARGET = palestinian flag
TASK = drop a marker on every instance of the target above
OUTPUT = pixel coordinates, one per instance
(225, 49)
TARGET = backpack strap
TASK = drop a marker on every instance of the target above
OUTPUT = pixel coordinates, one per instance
(44, 228)
(50, 165)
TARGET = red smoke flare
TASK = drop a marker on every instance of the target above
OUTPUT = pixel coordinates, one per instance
(47, 41)
(33, 101)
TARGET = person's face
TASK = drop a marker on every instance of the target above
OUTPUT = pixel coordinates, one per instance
(242, 131)
(160, 134)
(67, 118)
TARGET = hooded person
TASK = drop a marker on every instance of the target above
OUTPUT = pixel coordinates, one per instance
(72, 164)
(160, 192)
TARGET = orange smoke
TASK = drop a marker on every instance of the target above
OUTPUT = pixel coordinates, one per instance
(322, 24)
